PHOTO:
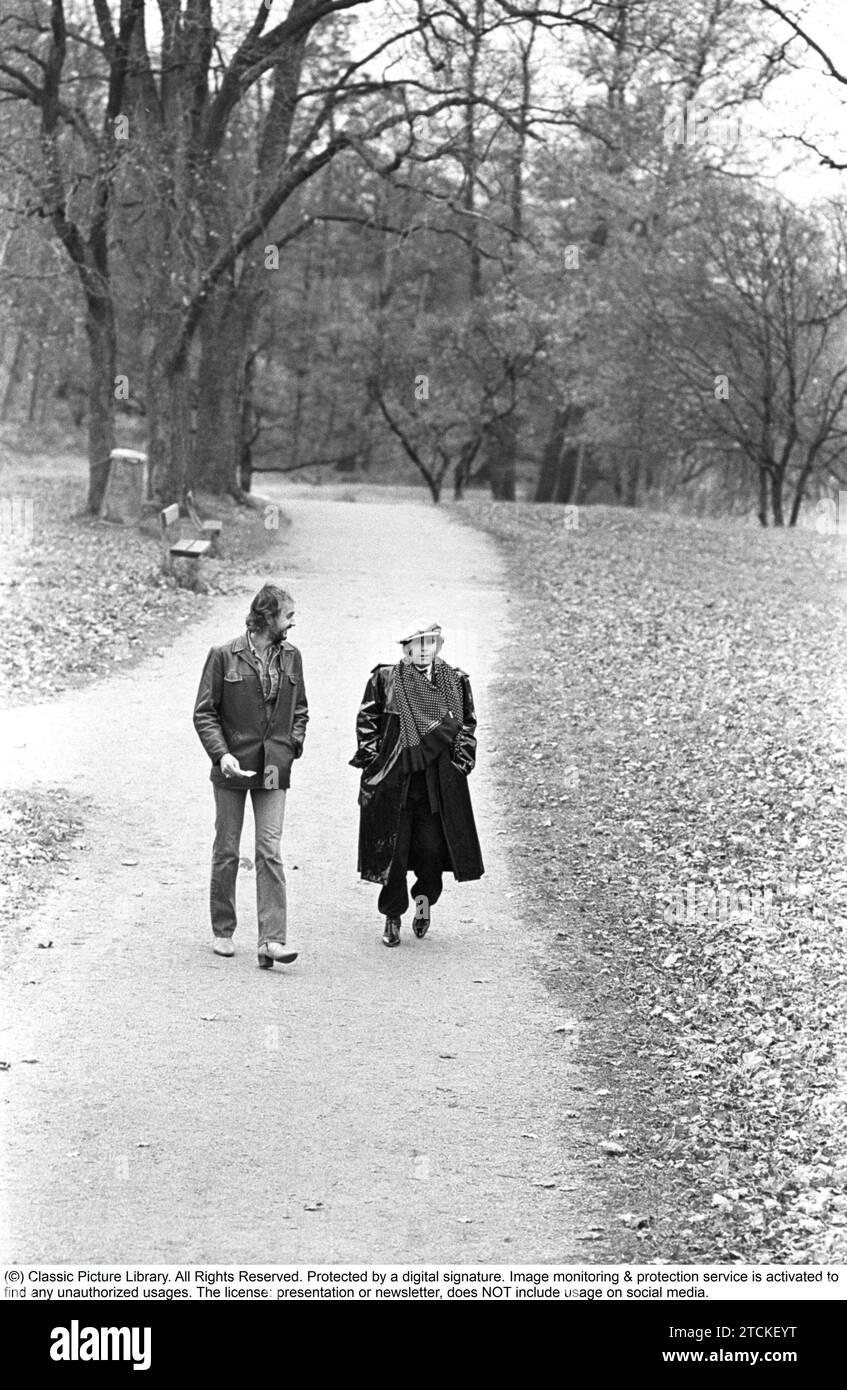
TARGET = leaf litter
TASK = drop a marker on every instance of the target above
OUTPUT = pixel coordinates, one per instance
(691, 672)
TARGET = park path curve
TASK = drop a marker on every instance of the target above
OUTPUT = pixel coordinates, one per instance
(363, 1104)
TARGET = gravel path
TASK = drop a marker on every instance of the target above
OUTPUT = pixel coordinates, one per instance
(363, 1104)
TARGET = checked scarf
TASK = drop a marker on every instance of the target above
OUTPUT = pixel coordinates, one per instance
(430, 712)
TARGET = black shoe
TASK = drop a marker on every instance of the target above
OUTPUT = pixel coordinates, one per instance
(420, 926)
(391, 935)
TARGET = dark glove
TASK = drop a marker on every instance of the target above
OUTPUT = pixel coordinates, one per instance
(461, 761)
(364, 759)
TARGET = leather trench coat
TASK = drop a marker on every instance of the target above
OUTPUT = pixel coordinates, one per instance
(383, 784)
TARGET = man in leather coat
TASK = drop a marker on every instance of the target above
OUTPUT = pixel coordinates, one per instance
(417, 746)
(251, 716)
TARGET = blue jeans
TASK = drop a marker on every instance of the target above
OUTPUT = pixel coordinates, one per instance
(268, 814)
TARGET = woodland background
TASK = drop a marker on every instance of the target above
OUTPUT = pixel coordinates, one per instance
(545, 249)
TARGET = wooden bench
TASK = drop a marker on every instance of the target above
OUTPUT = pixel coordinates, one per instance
(186, 548)
(209, 529)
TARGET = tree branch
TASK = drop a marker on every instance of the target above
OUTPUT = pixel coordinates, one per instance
(807, 39)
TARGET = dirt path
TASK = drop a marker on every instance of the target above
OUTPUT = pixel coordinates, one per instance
(362, 1104)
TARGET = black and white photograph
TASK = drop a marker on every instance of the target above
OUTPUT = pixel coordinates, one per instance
(423, 563)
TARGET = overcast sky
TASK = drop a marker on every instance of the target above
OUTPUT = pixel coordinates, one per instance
(810, 101)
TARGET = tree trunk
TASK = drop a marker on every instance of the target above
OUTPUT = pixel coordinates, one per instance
(573, 495)
(569, 478)
(168, 426)
(249, 426)
(245, 467)
(35, 389)
(777, 479)
(102, 352)
(501, 450)
(633, 478)
(303, 365)
(763, 495)
(463, 467)
(469, 156)
(548, 475)
(799, 493)
(229, 316)
(220, 395)
(561, 464)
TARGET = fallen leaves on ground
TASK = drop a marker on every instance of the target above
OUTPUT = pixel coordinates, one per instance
(81, 598)
(691, 672)
(35, 828)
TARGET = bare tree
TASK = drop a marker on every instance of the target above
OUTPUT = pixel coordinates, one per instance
(757, 337)
(33, 70)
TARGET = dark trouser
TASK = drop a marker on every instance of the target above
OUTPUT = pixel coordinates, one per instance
(420, 840)
(268, 813)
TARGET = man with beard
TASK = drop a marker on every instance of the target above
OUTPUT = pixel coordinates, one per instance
(251, 716)
(417, 747)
